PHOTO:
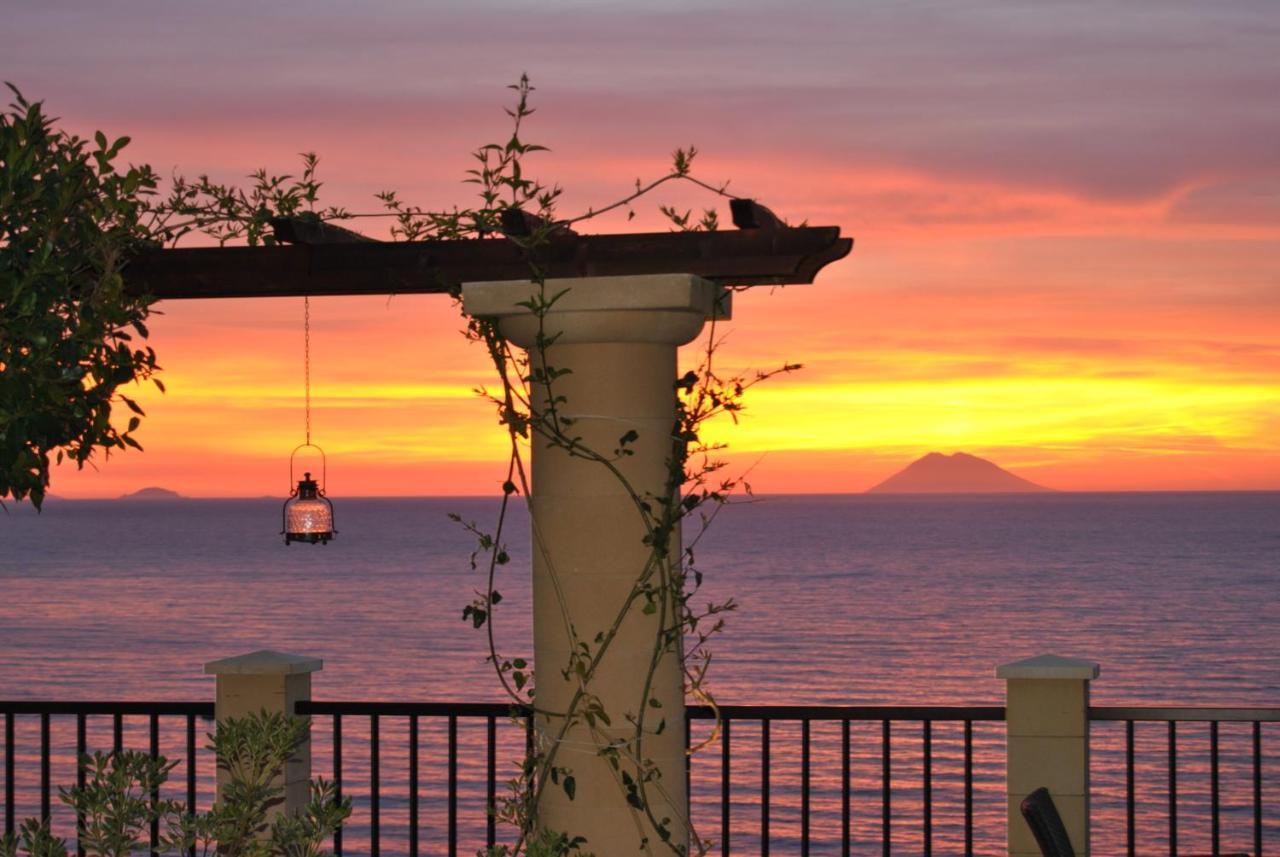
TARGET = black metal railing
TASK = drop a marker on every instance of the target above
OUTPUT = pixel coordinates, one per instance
(1244, 754)
(44, 715)
(371, 802)
(824, 787)
(745, 824)
(787, 779)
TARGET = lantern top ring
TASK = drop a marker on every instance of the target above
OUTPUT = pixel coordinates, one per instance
(324, 463)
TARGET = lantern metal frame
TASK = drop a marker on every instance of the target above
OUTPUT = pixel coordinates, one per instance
(317, 537)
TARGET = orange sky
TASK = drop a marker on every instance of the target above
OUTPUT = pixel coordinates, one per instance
(1068, 230)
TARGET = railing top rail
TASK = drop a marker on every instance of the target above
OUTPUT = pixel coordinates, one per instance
(696, 712)
(850, 712)
(406, 709)
(1165, 714)
(92, 707)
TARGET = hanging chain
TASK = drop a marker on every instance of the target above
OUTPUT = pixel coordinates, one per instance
(306, 358)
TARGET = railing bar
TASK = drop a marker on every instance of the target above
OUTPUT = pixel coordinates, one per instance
(191, 773)
(886, 800)
(453, 786)
(8, 772)
(56, 707)
(725, 785)
(1214, 794)
(1130, 809)
(82, 747)
(688, 757)
(697, 712)
(928, 788)
(1173, 787)
(401, 709)
(804, 788)
(337, 778)
(1201, 714)
(153, 749)
(117, 732)
(844, 788)
(413, 785)
(44, 766)
(491, 781)
(1257, 788)
(375, 786)
(870, 713)
(764, 788)
(694, 711)
(968, 788)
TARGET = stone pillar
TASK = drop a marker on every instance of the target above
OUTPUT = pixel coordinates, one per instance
(617, 336)
(1047, 720)
(271, 681)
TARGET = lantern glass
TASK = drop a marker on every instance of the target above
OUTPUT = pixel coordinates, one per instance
(308, 514)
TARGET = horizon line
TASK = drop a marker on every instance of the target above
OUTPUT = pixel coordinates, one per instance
(497, 495)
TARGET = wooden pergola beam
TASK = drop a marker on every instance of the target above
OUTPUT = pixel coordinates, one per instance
(747, 257)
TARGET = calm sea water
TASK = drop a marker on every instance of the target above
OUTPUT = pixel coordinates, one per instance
(844, 599)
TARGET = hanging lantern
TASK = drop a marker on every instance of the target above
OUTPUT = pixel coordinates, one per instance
(308, 514)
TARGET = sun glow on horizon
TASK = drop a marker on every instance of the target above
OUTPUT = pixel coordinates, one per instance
(1081, 288)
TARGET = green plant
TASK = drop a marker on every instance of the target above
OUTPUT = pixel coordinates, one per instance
(69, 221)
(252, 752)
(34, 839)
(545, 843)
(119, 802)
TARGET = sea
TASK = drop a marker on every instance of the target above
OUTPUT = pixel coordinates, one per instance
(842, 600)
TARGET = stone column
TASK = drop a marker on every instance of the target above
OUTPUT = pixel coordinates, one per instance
(1047, 719)
(270, 681)
(617, 337)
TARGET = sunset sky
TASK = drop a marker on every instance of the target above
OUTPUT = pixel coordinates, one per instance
(1067, 219)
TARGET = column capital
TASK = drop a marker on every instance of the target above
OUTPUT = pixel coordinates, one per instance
(656, 308)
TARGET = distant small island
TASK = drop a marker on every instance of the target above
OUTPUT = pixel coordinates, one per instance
(152, 493)
(960, 473)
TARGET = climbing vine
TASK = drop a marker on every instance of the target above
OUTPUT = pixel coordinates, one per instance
(530, 405)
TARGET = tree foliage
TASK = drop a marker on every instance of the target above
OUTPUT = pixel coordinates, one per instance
(70, 335)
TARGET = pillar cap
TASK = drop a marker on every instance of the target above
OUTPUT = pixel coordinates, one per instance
(586, 294)
(1050, 667)
(264, 662)
(655, 309)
